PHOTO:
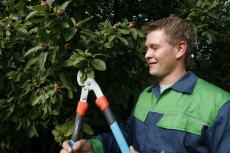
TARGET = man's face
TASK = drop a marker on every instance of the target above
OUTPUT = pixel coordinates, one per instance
(160, 55)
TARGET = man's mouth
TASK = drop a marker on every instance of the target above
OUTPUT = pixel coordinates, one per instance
(152, 63)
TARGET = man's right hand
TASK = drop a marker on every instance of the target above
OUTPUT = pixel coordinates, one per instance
(81, 146)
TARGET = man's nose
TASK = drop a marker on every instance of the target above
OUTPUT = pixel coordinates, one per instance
(148, 54)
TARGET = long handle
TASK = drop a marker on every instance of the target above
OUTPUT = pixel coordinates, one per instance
(82, 107)
(103, 104)
(77, 129)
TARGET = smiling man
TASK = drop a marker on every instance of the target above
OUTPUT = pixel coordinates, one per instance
(181, 113)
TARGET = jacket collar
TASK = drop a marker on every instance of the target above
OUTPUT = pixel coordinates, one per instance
(185, 84)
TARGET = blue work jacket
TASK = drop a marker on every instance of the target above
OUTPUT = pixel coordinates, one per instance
(192, 116)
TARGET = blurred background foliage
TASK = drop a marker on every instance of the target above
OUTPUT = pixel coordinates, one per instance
(45, 43)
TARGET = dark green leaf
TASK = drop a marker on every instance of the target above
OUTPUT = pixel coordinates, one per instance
(64, 5)
(123, 40)
(42, 59)
(98, 64)
(62, 78)
(52, 56)
(107, 45)
(32, 13)
(20, 5)
(134, 33)
(43, 35)
(214, 15)
(31, 62)
(18, 57)
(87, 129)
(213, 5)
(40, 8)
(111, 37)
(64, 24)
(67, 63)
(32, 132)
(70, 33)
(89, 33)
(85, 20)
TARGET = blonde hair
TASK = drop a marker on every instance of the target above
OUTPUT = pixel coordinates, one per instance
(175, 30)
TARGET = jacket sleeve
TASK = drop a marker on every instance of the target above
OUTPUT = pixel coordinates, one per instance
(217, 136)
(109, 142)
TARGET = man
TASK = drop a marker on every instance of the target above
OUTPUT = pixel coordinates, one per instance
(179, 114)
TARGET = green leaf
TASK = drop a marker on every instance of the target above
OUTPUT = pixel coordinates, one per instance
(21, 30)
(8, 33)
(69, 94)
(32, 132)
(213, 5)
(134, 33)
(46, 73)
(79, 61)
(123, 40)
(20, 5)
(18, 125)
(37, 20)
(31, 62)
(43, 124)
(87, 129)
(64, 5)
(214, 15)
(32, 13)
(64, 24)
(56, 133)
(12, 86)
(89, 33)
(67, 63)
(201, 26)
(111, 37)
(42, 59)
(52, 56)
(3, 23)
(122, 31)
(35, 101)
(70, 33)
(107, 45)
(98, 64)
(40, 8)
(140, 33)
(199, 2)
(11, 74)
(43, 35)
(60, 127)
(32, 50)
(85, 20)
(69, 129)
(50, 22)
(54, 112)
(62, 78)
(18, 57)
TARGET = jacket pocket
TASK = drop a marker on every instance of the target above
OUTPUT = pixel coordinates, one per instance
(181, 122)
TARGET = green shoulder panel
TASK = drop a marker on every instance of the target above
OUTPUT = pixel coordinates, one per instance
(182, 111)
(144, 105)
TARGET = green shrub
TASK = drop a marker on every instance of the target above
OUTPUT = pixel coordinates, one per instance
(43, 45)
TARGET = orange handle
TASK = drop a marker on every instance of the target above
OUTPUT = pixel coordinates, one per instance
(102, 103)
(82, 107)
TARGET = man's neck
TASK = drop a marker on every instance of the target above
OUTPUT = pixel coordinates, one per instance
(172, 78)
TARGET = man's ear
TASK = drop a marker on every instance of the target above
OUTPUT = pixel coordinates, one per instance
(182, 46)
